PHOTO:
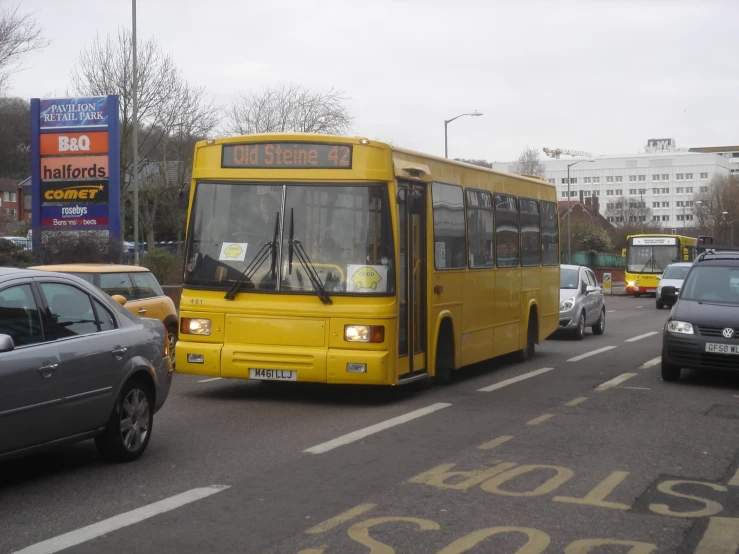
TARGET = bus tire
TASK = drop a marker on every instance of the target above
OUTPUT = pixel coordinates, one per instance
(531, 335)
(444, 354)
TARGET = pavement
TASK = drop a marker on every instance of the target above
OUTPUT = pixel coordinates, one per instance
(582, 449)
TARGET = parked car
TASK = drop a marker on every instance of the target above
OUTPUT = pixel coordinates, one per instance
(581, 302)
(702, 331)
(76, 366)
(133, 286)
(673, 276)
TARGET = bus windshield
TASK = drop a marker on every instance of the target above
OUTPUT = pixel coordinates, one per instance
(651, 259)
(286, 231)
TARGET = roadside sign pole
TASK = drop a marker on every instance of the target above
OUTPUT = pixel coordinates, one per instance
(607, 283)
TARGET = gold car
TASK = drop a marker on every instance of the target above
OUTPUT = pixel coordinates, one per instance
(133, 286)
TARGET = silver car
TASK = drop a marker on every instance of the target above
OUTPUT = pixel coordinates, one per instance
(673, 276)
(75, 365)
(581, 301)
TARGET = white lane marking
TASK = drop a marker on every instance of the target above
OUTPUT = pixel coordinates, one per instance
(209, 380)
(615, 381)
(73, 538)
(611, 311)
(639, 307)
(372, 429)
(512, 380)
(651, 363)
(636, 388)
(540, 419)
(640, 337)
(593, 353)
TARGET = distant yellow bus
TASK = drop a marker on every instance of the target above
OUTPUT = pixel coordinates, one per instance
(344, 260)
(648, 255)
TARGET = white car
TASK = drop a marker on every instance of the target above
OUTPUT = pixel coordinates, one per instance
(673, 276)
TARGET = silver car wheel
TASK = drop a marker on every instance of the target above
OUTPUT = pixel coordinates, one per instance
(135, 419)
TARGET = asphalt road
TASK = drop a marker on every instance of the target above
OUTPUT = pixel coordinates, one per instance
(589, 451)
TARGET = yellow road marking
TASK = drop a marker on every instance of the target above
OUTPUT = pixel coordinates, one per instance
(576, 401)
(540, 419)
(735, 480)
(341, 518)
(495, 442)
(615, 381)
(597, 496)
(721, 536)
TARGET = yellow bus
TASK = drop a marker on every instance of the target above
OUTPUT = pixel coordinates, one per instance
(648, 255)
(344, 260)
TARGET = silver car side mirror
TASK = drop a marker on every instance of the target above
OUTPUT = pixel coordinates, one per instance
(6, 343)
(590, 288)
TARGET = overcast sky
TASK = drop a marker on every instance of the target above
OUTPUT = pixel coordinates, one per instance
(600, 76)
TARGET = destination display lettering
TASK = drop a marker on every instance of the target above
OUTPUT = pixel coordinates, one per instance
(287, 155)
(72, 193)
(654, 241)
(74, 168)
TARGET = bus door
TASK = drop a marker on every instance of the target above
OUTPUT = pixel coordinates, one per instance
(411, 200)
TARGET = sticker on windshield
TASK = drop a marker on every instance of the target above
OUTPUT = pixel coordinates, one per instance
(235, 251)
(367, 278)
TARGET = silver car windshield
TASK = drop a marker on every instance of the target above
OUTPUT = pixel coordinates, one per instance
(569, 278)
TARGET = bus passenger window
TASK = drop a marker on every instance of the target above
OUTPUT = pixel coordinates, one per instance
(450, 249)
(550, 233)
(480, 229)
(506, 230)
(530, 237)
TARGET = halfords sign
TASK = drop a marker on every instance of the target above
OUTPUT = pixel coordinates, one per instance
(74, 192)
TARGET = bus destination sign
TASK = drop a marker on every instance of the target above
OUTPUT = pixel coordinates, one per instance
(287, 155)
(654, 241)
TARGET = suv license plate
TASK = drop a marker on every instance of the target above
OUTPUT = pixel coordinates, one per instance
(273, 374)
(718, 348)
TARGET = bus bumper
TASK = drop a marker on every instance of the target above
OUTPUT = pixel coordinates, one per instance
(313, 365)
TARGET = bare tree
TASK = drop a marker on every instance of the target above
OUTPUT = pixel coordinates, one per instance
(628, 212)
(290, 108)
(19, 35)
(716, 208)
(528, 163)
(15, 138)
(172, 114)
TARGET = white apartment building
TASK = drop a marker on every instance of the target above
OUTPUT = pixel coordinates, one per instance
(665, 181)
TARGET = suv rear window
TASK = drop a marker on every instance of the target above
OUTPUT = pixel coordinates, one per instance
(713, 284)
(676, 272)
(146, 285)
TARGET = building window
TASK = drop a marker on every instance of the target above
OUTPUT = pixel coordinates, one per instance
(655, 191)
(586, 180)
(585, 193)
(632, 192)
(688, 176)
(704, 189)
(552, 180)
(573, 180)
(665, 218)
(704, 176)
(611, 219)
(596, 180)
(632, 178)
(12, 197)
(563, 194)
(655, 204)
(596, 193)
(655, 177)
(665, 204)
(679, 203)
(689, 190)
(679, 176)
(573, 193)
(6, 196)
(481, 238)
(619, 192)
(679, 190)
(564, 180)
(449, 233)
(665, 177)
(666, 191)
(506, 230)
(642, 178)
(619, 179)
(609, 193)
(609, 179)
(655, 218)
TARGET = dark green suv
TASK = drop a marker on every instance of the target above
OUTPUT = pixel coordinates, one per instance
(702, 331)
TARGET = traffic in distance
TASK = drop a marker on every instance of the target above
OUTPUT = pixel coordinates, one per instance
(344, 261)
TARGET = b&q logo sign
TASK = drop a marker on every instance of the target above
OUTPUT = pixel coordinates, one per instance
(74, 143)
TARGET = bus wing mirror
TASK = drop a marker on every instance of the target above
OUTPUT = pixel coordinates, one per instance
(623, 252)
(183, 200)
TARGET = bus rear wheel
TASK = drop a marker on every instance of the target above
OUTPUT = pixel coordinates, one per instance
(530, 349)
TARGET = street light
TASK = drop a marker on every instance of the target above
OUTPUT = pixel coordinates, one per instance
(448, 121)
(135, 137)
(569, 210)
(731, 223)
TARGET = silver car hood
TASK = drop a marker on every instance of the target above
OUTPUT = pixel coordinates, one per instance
(566, 293)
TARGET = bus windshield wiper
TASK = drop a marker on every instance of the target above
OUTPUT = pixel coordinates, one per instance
(294, 247)
(269, 249)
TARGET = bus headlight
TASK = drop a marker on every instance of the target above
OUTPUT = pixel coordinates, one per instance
(567, 304)
(364, 333)
(680, 327)
(194, 326)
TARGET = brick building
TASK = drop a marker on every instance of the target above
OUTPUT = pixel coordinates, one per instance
(9, 207)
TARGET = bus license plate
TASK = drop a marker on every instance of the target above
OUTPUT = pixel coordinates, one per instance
(273, 374)
(717, 348)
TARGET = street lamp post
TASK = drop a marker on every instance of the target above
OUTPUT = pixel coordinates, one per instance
(135, 139)
(448, 121)
(731, 225)
(569, 210)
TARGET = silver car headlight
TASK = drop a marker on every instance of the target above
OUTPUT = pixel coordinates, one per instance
(567, 304)
(680, 327)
